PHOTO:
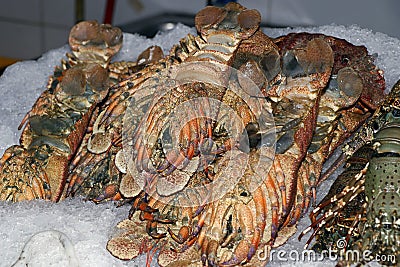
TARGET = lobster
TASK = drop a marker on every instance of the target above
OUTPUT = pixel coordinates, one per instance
(53, 129)
(362, 207)
(188, 141)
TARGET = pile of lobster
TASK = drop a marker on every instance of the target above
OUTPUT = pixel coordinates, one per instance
(219, 145)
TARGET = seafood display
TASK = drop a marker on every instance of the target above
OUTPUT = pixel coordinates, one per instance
(363, 204)
(217, 146)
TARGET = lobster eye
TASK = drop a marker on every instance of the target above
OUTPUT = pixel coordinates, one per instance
(345, 60)
(396, 113)
(375, 126)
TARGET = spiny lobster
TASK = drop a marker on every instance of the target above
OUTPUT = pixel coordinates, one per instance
(363, 205)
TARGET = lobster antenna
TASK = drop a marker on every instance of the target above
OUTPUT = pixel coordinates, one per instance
(338, 162)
